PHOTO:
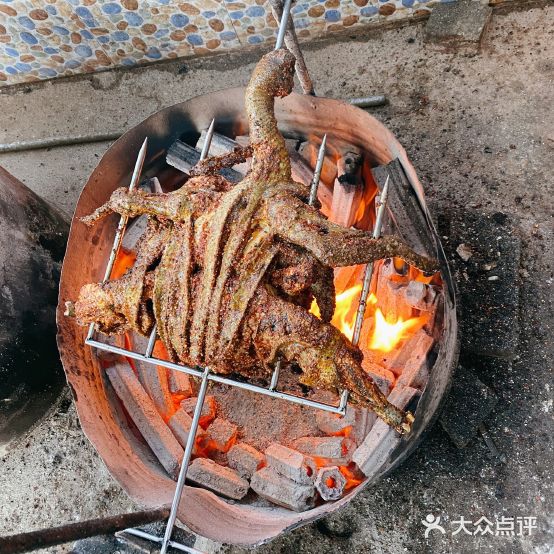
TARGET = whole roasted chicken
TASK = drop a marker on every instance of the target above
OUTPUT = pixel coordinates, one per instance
(228, 271)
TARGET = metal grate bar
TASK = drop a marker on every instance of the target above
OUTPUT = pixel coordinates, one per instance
(216, 378)
(159, 540)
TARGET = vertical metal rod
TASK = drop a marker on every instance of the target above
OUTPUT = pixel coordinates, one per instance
(283, 25)
(186, 460)
(203, 156)
(343, 400)
(275, 376)
(291, 42)
(208, 141)
(151, 341)
(122, 222)
(368, 273)
(317, 172)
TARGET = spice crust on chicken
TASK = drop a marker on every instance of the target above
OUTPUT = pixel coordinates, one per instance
(228, 271)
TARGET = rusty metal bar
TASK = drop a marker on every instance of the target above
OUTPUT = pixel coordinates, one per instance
(45, 538)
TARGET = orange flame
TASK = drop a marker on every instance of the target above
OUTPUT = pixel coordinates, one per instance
(345, 310)
(124, 261)
(314, 309)
(388, 334)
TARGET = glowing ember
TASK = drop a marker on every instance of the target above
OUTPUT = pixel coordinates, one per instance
(387, 334)
(353, 476)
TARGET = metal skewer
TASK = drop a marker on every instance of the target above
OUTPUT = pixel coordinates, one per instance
(283, 25)
(313, 195)
(368, 273)
(279, 44)
(208, 141)
(205, 375)
(122, 221)
(317, 172)
(186, 460)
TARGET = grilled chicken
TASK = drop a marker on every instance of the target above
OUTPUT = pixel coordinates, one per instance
(228, 272)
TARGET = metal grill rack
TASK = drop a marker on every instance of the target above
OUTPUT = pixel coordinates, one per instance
(205, 375)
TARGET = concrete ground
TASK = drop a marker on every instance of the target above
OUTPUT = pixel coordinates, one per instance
(480, 131)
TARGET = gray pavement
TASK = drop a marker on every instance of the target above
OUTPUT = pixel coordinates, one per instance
(479, 129)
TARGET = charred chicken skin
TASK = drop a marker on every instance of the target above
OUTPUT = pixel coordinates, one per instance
(228, 272)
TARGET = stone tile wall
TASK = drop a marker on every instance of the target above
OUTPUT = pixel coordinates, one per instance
(43, 39)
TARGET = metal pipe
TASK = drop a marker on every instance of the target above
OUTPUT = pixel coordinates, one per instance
(45, 538)
(368, 273)
(283, 25)
(186, 460)
(317, 172)
(301, 71)
(52, 142)
(368, 101)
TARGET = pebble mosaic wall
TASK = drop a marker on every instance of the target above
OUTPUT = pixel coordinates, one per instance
(42, 39)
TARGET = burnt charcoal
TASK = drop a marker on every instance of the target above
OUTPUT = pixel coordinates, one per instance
(245, 459)
(488, 281)
(330, 483)
(144, 414)
(223, 480)
(282, 491)
(382, 439)
(469, 403)
(180, 424)
(222, 434)
(290, 464)
(336, 450)
(184, 157)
